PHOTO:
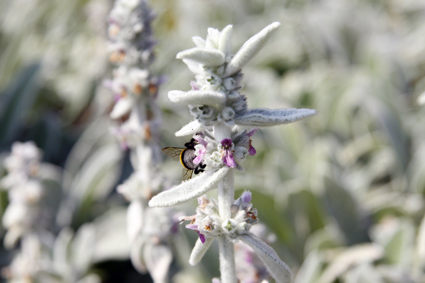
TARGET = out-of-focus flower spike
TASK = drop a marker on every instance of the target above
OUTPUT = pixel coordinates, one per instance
(275, 266)
(198, 97)
(189, 129)
(249, 49)
(263, 117)
(199, 250)
(204, 56)
(199, 41)
(190, 189)
(224, 43)
(122, 108)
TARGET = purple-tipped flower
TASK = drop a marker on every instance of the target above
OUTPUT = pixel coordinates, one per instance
(194, 227)
(246, 197)
(251, 150)
(201, 237)
(201, 149)
(194, 85)
(227, 153)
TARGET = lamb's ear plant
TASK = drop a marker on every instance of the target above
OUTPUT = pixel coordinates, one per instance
(223, 127)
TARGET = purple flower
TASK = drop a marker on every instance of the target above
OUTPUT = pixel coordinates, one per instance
(192, 227)
(251, 150)
(246, 197)
(201, 237)
(200, 150)
(194, 85)
(227, 153)
(195, 228)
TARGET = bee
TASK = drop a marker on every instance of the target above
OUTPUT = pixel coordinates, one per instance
(186, 157)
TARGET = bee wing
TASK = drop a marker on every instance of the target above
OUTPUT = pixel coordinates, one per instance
(173, 152)
(187, 174)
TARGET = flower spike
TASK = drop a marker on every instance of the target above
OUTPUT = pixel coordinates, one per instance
(220, 145)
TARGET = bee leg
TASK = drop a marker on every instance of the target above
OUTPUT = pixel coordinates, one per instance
(199, 168)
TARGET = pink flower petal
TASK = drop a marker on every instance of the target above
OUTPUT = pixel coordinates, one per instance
(252, 151)
(228, 160)
(201, 237)
(201, 140)
(252, 132)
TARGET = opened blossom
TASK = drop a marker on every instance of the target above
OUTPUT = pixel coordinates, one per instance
(251, 149)
(227, 153)
(201, 149)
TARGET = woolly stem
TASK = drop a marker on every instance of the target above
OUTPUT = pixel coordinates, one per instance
(221, 132)
(227, 260)
(226, 195)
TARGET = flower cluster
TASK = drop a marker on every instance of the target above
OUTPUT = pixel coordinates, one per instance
(230, 152)
(208, 223)
(24, 188)
(214, 96)
(222, 144)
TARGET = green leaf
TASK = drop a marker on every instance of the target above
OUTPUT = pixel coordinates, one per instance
(347, 213)
(16, 100)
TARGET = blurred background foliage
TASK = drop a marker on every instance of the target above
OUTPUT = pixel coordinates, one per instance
(343, 191)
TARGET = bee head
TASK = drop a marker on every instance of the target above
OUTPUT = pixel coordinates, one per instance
(191, 144)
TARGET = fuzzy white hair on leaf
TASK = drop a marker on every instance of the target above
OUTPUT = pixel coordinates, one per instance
(199, 250)
(275, 266)
(190, 129)
(197, 97)
(249, 49)
(224, 43)
(190, 189)
(263, 117)
(199, 41)
(204, 56)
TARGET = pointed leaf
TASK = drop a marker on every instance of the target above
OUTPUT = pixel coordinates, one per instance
(275, 266)
(197, 97)
(250, 49)
(82, 247)
(204, 56)
(359, 254)
(263, 117)
(199, 41)
(190, 189)
(189, 129)
(224, 43)
(310, 269)
(199, 250)
(16, 100)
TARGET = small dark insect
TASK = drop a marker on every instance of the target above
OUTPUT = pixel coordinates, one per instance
(186, 157)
